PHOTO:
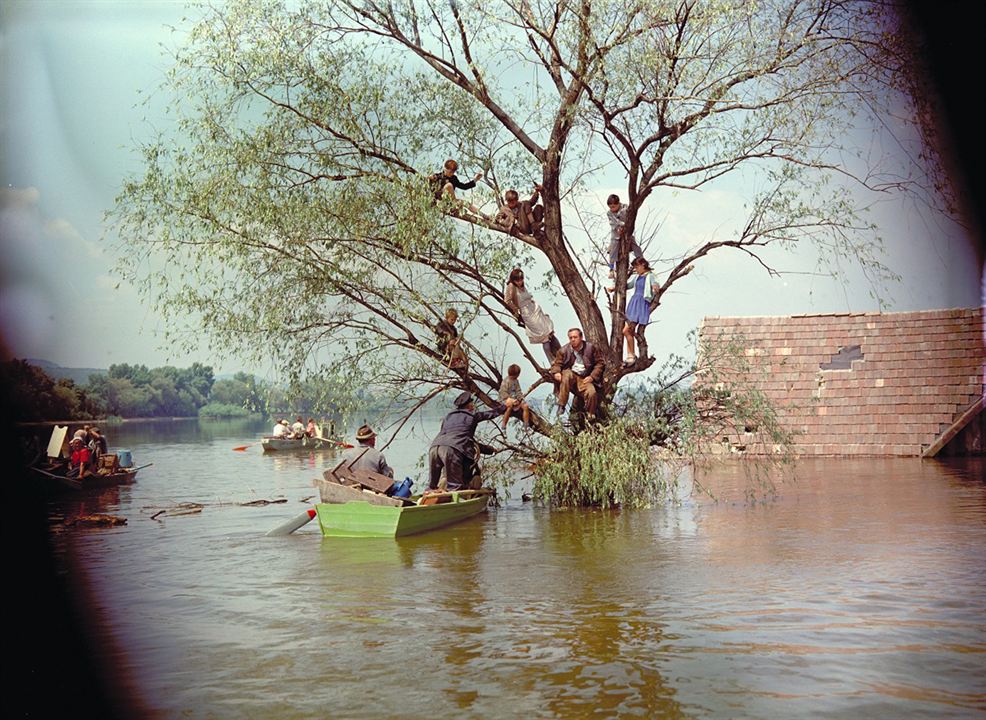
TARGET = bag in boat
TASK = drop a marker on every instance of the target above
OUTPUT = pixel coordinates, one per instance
(402, 489)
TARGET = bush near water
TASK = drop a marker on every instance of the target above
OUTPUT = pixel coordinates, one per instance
(129, 391)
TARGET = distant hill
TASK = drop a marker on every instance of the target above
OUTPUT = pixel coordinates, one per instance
(79, 375)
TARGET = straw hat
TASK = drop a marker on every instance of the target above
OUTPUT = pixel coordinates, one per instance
(365, 433)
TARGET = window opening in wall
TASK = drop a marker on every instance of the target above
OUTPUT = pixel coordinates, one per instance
(842, 360)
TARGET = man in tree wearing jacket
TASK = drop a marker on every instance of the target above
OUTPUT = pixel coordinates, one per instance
(578, 369)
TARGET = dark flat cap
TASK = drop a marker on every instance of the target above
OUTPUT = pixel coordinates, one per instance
(464, 399)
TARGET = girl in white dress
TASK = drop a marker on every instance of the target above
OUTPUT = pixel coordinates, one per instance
(529, 314)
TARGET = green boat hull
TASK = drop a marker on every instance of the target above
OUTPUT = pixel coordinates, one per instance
(361, 519)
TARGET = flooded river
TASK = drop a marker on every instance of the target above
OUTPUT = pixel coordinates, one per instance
(860, 591)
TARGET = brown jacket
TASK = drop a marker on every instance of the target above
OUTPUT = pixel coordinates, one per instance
(594, 363)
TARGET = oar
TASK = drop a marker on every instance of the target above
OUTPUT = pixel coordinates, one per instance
(335, 442)
(293, 524)
(141, 467)
(241, 448)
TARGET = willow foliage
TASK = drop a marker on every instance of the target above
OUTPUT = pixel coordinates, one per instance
(285, 213)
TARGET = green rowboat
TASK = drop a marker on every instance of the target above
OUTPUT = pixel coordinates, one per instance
(361, 518)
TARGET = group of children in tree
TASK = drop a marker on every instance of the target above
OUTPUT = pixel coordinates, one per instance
(576, 368)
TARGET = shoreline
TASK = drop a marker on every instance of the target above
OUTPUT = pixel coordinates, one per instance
(122, 421)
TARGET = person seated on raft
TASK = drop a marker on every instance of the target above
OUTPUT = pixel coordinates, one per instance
(446, 181)
(84, 434)
(97, 446)
(78, 459)
(365, 456)
(525, 217)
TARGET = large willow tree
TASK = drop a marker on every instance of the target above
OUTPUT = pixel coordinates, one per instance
(287, 209)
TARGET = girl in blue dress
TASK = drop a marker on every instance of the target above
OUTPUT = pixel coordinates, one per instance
(644, 286)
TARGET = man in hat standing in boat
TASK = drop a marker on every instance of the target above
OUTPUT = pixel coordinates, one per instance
(365, 456)
(454, 448)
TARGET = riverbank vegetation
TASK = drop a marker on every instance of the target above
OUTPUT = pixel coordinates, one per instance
(302, 168)
(129, 391)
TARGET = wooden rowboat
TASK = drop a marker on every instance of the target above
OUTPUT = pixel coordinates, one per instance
(350, 512)
(272, 444)
(90, 480)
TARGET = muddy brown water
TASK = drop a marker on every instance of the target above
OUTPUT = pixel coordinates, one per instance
(859, 591)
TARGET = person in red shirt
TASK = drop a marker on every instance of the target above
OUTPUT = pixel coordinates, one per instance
(79, 459)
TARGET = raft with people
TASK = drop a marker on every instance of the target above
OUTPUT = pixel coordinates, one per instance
(86, 464)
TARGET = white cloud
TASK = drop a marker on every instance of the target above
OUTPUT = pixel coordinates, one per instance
(14, 197)
(62, 231)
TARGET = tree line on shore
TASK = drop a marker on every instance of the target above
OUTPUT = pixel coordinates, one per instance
(129, 391)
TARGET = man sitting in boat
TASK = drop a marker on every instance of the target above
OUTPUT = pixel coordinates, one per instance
(97, 446)
(79, 458)
(298, 428)
(281, 429)
(83, 434)
(365, 456)
(454, 448)
(310, 430)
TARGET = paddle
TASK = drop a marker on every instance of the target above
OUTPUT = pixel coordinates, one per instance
(340, 443)
(241, 448)
(318, 436)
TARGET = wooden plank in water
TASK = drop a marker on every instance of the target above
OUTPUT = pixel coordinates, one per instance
(955, 428)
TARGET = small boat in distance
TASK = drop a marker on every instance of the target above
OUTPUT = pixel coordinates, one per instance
(280, 444)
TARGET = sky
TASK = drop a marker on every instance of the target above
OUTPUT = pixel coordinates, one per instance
(79, 85)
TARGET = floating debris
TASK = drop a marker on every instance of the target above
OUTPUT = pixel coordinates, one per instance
(97, 520)
(186, 508)
(193, 508)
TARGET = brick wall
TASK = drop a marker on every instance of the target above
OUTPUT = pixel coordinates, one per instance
(919, 371)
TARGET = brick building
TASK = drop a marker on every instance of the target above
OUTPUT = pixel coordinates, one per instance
(902, 384)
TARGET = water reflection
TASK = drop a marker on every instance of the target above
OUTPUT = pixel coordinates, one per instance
(858, 591)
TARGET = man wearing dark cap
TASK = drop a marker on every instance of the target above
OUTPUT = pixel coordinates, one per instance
(454, 448)
(365, 456)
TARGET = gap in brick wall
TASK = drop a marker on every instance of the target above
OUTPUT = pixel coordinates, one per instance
(843, 359)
